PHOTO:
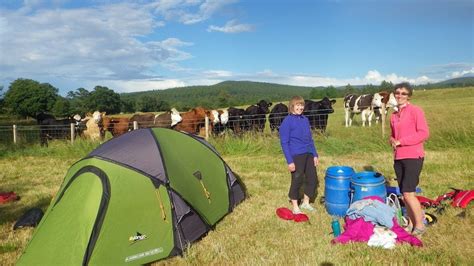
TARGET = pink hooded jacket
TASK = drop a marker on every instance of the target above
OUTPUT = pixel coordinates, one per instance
(410, 128)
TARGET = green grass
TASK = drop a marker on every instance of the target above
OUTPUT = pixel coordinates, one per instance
(252, 234)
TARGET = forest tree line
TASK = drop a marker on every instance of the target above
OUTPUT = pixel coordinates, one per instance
(27, 97)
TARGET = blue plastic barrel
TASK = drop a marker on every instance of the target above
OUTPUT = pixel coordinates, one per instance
(367, 183)
(337, 189)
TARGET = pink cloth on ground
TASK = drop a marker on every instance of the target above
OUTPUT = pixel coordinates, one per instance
(359, 230)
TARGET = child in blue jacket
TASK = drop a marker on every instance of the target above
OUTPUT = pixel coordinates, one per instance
(300, 154)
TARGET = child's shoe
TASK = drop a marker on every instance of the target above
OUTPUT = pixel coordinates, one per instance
(306, 206)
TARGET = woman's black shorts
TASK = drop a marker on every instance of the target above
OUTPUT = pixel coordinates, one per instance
(408, 173)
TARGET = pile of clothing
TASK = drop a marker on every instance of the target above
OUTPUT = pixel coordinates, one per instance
(371, 220)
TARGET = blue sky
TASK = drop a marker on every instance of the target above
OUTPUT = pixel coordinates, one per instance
(144, 44)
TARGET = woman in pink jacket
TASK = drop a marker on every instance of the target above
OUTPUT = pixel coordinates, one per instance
(409, 131)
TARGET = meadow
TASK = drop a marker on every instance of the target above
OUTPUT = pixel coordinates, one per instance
(253, 234)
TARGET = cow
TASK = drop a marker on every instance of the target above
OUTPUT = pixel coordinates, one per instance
(256, 115)
(354, 104)
(144, 120)
(52, 128)
(193, 120)
(93, 126)
(115, 125)
(276, 116)
(383, 97)
(237, 122)
(219, 120)
(168, 119)
(318, 113)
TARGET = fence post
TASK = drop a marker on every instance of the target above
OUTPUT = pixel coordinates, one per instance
(206, 126)
(14, 134)
(135, 125)
(72, 126)
(383, 113)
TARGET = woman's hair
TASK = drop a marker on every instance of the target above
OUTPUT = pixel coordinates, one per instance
(405, 85)
(293, 102)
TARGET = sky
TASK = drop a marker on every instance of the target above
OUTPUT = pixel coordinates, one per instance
(144, 45)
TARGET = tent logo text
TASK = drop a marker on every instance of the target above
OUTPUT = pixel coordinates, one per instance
(137, 237)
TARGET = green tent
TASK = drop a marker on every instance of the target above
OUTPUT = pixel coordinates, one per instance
(137, 198)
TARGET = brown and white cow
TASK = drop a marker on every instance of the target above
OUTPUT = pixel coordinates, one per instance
(218, 120)
(358, 104)
(168, 119)
(193, 120)
(380, 98)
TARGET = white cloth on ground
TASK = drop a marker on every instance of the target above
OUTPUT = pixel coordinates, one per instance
(382, 237)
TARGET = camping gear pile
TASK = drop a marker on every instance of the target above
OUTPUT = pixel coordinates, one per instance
(137, 198)
(372, 216)
(360, 198)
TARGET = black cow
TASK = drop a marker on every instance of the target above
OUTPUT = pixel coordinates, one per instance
(256, 115)
(317, 113)
(52, 128)
(277, 114)
(237, 122)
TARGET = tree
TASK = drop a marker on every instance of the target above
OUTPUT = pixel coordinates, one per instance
(104, 99)
(148, 103)
(349, 89)
(316, 93)
(79, 101)
(386, 86)
(223, 98)
(61, 107)
(330, 92)
(27, 97)
(128, 106)
(1, 100)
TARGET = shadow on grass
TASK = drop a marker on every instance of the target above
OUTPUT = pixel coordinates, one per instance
(12, 211)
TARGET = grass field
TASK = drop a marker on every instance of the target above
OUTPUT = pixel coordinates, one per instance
(252, 234)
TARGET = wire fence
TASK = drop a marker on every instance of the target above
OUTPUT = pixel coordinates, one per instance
(15, 134)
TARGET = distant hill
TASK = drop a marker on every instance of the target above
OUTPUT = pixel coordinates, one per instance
(238, 93)
(224, 94)
(462, 81)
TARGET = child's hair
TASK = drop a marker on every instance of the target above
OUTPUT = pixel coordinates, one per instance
(293, 102)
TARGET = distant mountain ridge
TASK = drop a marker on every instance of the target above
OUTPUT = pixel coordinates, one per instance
(467, 79)
(227, 93)
(237, 93)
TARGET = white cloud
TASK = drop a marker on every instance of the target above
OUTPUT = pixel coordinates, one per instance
(457, 74)
(139, 85)
(189, 11)
(86, 43)
(218, 74)
(374, 77)
(231, 27)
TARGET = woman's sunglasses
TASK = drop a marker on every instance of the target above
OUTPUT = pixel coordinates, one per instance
(401, 93)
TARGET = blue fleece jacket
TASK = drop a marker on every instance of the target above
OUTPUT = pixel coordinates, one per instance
(296, 137)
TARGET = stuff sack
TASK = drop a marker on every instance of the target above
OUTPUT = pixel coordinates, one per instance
(31, 218)
(301, 217)
(8, 196)
(285, 213)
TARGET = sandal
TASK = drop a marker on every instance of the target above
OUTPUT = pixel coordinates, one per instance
(418, 231)
(409, 228)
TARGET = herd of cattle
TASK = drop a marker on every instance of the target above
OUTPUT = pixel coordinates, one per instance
(252, 119)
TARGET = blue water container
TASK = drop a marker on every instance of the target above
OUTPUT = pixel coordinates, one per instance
(366, 184)
(337, 189)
